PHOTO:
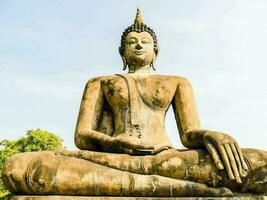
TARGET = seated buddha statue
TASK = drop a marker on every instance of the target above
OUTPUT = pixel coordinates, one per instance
(123, 146)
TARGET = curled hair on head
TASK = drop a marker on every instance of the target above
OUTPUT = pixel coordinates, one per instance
(138, 27)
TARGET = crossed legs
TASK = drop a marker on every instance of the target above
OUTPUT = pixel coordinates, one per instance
(170, 173)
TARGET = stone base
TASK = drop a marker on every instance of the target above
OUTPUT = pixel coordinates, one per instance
(19, 197)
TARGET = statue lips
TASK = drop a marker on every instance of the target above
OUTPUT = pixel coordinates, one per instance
(140, 52)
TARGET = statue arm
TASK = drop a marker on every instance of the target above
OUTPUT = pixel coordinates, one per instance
(186, 115)
(223, 149)
(86, 136)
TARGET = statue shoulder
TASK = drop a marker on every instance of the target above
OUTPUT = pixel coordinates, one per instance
(183, 80)
(99, 79)
(178, 80)
(175, 79)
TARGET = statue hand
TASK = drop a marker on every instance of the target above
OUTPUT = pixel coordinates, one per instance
(150, 151)
(130, 145)
(226, 154)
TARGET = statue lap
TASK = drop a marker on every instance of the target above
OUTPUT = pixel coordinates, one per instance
(170, 173)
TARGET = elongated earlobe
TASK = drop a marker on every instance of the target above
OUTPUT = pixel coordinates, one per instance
(152, 64)
(123, 59)
(124, 63)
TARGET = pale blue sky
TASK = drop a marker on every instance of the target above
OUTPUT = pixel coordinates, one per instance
(50, 48)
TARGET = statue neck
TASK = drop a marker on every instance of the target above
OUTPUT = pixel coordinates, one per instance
(140, 70)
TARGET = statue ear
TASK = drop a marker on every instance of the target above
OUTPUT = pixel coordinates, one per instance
(123, 58)
(152, 64)
(156, 50)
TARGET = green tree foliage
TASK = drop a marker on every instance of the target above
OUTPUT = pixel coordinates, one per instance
(35, 140)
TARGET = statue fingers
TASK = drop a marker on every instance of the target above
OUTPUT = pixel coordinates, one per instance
(140, 146)
(128, 151)
(160, 149)
(151, 151)
(121, 146)
(137, 152)
(233, 163)
(226, 162)
(136, 146)
(242, 172)
(214, 154)
(122, 143)
(142, 152)
(244, 164)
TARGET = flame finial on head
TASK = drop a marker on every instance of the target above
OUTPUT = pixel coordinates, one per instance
(138, 26)
(138, 18)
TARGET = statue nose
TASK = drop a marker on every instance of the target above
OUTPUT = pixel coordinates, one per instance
(138, 46)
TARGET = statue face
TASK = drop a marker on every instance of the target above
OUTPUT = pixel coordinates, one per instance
(139, 49)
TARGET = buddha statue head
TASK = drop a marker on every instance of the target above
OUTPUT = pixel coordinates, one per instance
(139, 45)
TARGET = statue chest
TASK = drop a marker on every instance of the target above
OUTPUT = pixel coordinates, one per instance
(156, 93)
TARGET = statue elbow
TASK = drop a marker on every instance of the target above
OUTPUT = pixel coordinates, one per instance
(186, 142)
(78, 140)
(83, 142)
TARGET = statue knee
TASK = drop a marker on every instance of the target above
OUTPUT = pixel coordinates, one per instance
(14, 170)
(174, 167)
(257, 178)
(255, 158)
(19, 169)
(7, 177)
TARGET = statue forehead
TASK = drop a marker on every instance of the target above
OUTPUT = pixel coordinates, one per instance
(139, 35)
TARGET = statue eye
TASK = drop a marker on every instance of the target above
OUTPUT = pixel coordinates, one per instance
(145, 40)
(132, 41)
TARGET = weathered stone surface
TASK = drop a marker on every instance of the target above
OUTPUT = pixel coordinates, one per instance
(125, 150)
(133, 198)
